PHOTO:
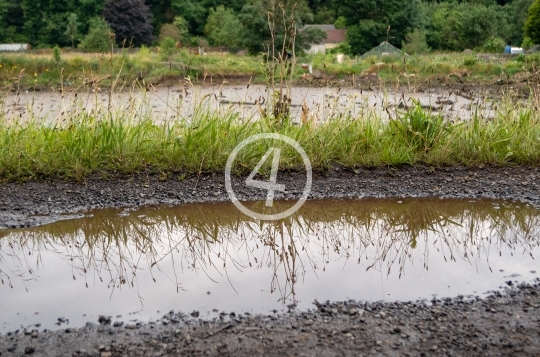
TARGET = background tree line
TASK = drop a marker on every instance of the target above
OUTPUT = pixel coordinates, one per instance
(418, 25)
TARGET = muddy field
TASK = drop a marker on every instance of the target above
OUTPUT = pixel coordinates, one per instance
(180, 102)
(506, 323)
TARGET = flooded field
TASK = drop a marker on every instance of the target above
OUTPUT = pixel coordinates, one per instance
(181, 102)
(137, 265)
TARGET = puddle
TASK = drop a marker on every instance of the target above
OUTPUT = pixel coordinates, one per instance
(130, 264)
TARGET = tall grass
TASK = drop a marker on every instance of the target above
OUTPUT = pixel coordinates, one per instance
(129, 141)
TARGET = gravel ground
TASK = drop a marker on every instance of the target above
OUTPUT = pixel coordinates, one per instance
(505, 324)
(34, 203)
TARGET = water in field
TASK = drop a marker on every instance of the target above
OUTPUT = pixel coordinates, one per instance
(212, 258)
(248, 102)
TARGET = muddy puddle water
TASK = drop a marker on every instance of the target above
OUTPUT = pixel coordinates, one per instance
(248, 102)
(137, 265)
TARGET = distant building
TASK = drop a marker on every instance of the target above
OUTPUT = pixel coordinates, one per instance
(534, 49)
(333, 38)
(384, 49)
(14, 47)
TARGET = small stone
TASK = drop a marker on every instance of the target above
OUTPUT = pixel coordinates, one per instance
(104, 320)
(382, 313)
(379, 343)
(308, 322)
(434, 348)
(29, 350)
(34, 334)
(195, 314)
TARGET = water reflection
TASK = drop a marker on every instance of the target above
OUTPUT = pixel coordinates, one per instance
(326, 247)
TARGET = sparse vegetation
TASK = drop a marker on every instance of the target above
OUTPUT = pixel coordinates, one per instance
(149, 64)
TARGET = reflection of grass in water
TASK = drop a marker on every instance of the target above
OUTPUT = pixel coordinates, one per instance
(211, 237)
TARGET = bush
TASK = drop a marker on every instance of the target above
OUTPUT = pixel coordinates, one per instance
(415, 43)
(169, 31)
(343, 47)
(57, 54)
(493, 45)
(470, 61)
(420, 129)
(167, 45)
(97, 39)
(527, 43)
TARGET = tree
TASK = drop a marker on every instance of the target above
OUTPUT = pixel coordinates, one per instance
(371, 22)
(415, 43)
(532, 24)
(193, 12)
(97, 39)
(310, 35)
(272, 22)
(4, 7)
(169, 31)
(365, 35)
(516, 14)
(71, 30)
(162, 13)
(456, 27)
(223, 28)
(182, 26)
(130, 20)
(196, 12)
(12, 21)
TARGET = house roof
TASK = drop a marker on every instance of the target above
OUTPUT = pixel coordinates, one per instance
(335, 36)
(322, 27)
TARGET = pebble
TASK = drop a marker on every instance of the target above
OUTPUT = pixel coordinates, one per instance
(29, 350)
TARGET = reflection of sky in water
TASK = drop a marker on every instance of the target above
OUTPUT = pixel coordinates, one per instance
(252, 267)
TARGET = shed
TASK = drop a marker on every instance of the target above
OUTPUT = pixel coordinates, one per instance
(14, 47)
(384, 49)
(333, 38)
(534, 49)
